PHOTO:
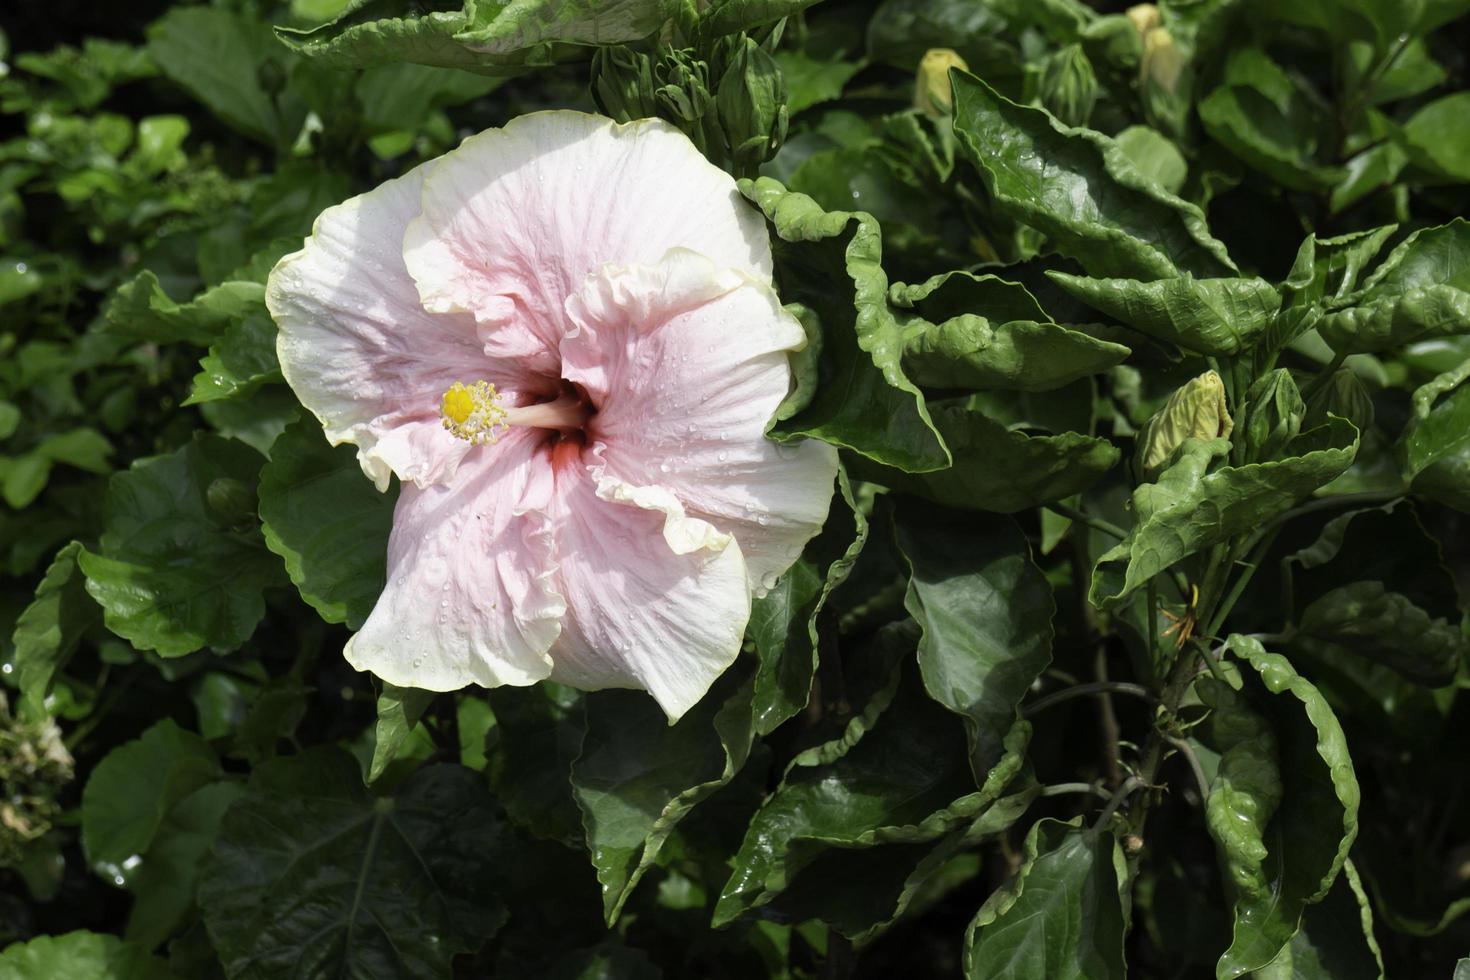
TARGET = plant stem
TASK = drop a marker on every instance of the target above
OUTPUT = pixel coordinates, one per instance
(1252, 562)
(1062, 789)
(1366, 498)
(1107, 720)
(1325, 376)
(1096, 523)
(1085, 690)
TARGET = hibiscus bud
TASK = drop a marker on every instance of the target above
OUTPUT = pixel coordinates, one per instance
(1274, 414)
(932, 95)
(232, 500)
(1163, 62)
(1343, 396)
(623, 83)
(1068, 85)
(1195, 411)
(751, 103)
(1144, 17)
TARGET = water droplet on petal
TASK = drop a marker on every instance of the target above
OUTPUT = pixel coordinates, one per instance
(418, 662)
(664, 467)
(723, 456)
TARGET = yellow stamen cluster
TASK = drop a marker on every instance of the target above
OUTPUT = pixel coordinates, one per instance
(472, 412)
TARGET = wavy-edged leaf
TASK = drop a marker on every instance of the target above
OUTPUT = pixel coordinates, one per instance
(141, 310)
(1079, 188)
(783, 622)
(1336, 941)
(1062, 917)
(50, 629)
(1219, 317)
(1421, 290)
(399, 710)
(180, 567)
(1000, 469)
(638, 777)
(240, 361)
(986, 612)
(970, 351)
(1188, 509)
(1307, 839)
(831, 265)
(904, 781)
(1436, 443)
(327, 521)
(313, 875)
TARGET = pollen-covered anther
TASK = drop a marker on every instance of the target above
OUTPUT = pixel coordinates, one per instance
(472, 412)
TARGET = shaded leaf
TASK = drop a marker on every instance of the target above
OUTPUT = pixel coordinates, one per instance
(241, 360)
(1209, 316)
(51, 627)
(399, 710)
(81, 955)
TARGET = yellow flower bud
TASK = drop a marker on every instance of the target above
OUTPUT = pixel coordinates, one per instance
(1163, 62)
(1145, 17)
(931, 87)
(1196, 411)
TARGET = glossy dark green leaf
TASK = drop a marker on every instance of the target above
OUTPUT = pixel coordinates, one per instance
(219, 57)
(831, 265)
(1188, 508)
(538, 734)
(970, 351)
(327, 521)
(133, 788)
(986, 612)
(1155, 156)
(314, 876)
(81, 955)
(811, 81)
(241, 360)
(399, 710)
(904, 781)
(176, 571)
(1388, 627)
(1422, 289)
(1062, 917)
(1077, 187)
(1219, 317)
(784, 622)
(50, 629)
(1307, 838)
(1000, 469)
(1436, 444)
(638, 776)
(164, 886)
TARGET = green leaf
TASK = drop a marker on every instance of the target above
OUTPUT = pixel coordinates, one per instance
(904, 781)
(1440, 132)
(241, 360)
(1336, 939)
(1307, 839)
(174, 573)
(1385, 626)
(1421, 290)
(164, 885)
(134, 787)
(23, 478)
(1061, 918)
(313, 875)
(1328, 268)
(220, 57)
(1188, 509)
(1155, 156)
(1000, 469)
(50, 629)
(495, 39)
(399, 710)
(638, 777)
(1219, 317)
(970, 351)
(986, 612)
(81, 955)
(783, 622)
(141, 310)
(811, 81)
(538, 734)
(733, 16)
(1263, 117)
(831, 265)
(83, 447)
(1436, 443)
(1079, 188)
(327, 521)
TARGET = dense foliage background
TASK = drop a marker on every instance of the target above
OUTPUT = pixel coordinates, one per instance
(1093, 661)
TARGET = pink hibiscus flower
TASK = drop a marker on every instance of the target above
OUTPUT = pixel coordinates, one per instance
(562, 338)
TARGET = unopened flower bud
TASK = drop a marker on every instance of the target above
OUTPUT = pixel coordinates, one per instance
(1196, 411)
(932, 94)
(1274, 416)
(232, 500)
(1163, 62)
(1069, 85)
(750, 102)
(1144, 16)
